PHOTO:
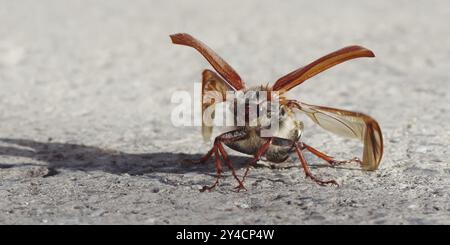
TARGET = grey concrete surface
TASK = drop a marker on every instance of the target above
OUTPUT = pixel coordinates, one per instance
(85, 131)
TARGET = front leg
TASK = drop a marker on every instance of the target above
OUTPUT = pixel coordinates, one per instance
(218, 150)
(269, 141)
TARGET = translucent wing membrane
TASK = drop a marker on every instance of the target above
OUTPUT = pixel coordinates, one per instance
(214, 90)
(222, 67)
(351, 125)
(298, 76)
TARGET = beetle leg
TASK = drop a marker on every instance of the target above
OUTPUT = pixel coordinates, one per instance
(230, 166)
(298, 148)
(270, 141)
(225, 137)
(204, 159)
(256, 158)
(218, 170)
(218, 150)
(253, 162)
(329, 159)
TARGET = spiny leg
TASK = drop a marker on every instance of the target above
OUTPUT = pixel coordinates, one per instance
(256, 158)
(329, 159)
(270, 141)
(218, 170)
(230, 166)
(229, 137)
(225, 137)
(298, 148)
(218, 147)
(204, 158)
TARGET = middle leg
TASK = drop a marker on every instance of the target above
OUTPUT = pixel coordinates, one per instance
(276, 141)
(254, 160)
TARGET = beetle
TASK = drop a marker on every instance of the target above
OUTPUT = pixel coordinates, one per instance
(287, 139)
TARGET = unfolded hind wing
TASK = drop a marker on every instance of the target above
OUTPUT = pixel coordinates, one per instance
(351, 125)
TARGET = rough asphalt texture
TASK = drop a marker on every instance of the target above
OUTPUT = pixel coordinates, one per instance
(85, 103)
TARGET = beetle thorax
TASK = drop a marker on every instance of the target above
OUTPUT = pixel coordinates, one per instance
(258, 106)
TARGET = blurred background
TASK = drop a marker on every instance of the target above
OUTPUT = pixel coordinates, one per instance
(101, 73)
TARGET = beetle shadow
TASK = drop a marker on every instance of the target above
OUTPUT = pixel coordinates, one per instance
(81, 157)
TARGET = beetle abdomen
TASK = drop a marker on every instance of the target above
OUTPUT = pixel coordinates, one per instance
(290, 130)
